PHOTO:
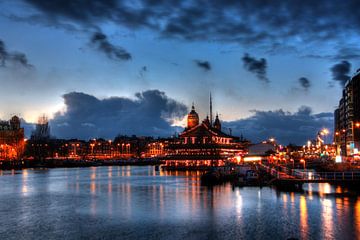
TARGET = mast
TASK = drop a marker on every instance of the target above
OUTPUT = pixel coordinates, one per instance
(211, 115)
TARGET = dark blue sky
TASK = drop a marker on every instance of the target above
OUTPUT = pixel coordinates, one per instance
(142, 63)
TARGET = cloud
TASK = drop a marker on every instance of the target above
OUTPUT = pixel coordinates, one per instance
(348, 52)
(205, 65)
(340, 72)
(142, 71)
(149, 113)
(264, 23)
(286, 127)
(101, 42)
(304, 83)
(255, 66)
(14, 58)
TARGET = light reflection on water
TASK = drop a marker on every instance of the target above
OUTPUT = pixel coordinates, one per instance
(137, 202)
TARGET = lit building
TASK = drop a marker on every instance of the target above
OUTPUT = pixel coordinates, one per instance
(202, 144)
(347, 118)
(11, 139)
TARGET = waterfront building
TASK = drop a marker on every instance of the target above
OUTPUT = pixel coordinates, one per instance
(11, 139)
(202, 144)
(347, 119)
(122, 147)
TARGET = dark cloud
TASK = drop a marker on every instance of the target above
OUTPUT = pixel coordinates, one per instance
(349, 52)
(255, 66)
(15, 58)
(304, 83)
(101, 42)
(264, 23)
(205, 65)
(340, 72)
(286, 127)
(150, 113)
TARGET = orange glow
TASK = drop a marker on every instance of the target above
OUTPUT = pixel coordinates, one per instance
(303, 217)
(252, 159)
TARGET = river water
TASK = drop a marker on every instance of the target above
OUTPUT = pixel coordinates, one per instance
(139, 203)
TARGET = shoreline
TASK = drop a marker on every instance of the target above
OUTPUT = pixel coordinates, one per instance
(71, 163)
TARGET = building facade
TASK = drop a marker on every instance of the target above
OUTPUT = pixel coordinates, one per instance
(347, 119)
(202, 144)
(11, 139)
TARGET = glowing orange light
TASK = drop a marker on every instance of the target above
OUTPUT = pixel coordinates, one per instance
(251, 159)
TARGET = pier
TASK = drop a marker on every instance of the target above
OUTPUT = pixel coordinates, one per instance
(284, 176)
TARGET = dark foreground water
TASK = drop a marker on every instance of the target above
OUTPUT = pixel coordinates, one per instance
(138, 203)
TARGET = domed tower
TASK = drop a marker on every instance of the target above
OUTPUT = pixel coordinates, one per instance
(15, 123)
(193, 118)
(217, 123)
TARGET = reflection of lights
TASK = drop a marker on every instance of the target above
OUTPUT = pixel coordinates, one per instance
(303, 216)
(24, 188)
(310, 191)
(327, 218)
(357, 216)
(284, 196)
(292, 197)
(92, 187)
(239, 202)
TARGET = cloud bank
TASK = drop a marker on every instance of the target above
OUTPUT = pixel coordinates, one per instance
(151, 113)
(286, 127)
(270, 24)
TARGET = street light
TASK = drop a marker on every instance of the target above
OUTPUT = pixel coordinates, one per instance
(325, 131)
(303, 162)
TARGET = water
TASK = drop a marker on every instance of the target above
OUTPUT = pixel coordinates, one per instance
(139, 203)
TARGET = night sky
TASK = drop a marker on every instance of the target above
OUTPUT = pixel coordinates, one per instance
(103, 68)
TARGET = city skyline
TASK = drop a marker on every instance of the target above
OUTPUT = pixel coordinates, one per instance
(161, 57)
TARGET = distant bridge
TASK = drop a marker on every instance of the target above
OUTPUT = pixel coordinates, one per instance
(287, 175)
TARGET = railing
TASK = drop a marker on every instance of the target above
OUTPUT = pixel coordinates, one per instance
(286, 173)
(321, 176)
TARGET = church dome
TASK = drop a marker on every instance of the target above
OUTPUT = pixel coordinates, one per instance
(193, 118)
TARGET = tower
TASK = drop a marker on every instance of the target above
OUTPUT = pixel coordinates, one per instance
(193, 118)
(217, 123)
(15, 123)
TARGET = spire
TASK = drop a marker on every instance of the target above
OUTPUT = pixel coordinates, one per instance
(193, 106)
(211, 116)
(217, 123)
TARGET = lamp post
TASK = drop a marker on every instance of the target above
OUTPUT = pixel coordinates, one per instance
(303, 162)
